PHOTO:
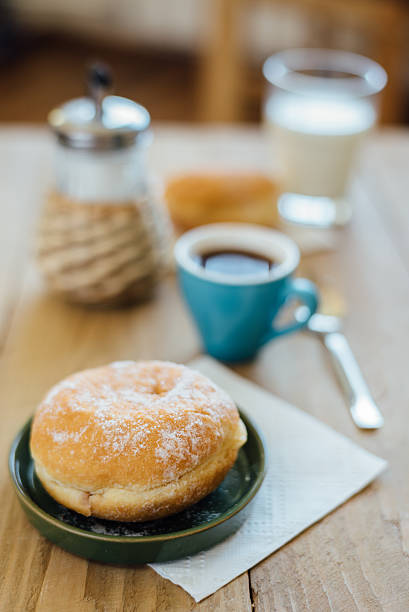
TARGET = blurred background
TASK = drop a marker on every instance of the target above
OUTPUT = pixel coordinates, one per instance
(187, 60)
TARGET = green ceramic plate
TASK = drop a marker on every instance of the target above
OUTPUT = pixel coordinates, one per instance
(199, 527)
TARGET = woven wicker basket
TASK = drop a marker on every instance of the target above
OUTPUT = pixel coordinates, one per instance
(102, 254)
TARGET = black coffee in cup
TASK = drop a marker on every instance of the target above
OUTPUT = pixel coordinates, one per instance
(236, 278)
(235, 262)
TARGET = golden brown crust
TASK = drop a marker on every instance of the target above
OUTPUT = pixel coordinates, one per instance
(198, 199)
(133, 441)
(131, 505)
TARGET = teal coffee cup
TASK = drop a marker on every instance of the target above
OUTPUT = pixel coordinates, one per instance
(236, 310)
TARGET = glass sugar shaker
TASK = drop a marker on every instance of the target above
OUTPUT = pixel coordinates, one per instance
(102, 239)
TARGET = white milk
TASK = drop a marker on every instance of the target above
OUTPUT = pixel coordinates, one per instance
(315, 140)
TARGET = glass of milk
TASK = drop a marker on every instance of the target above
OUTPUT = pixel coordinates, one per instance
(319, 106)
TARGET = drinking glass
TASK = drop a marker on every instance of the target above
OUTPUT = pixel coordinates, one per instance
(319, 106)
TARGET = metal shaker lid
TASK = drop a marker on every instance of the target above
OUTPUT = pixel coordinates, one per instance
(100, 121)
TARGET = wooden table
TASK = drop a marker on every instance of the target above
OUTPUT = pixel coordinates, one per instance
(356, 558)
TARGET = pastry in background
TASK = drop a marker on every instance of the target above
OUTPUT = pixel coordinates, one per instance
(201, 198)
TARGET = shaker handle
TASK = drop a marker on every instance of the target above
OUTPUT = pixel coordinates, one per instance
(99, 81)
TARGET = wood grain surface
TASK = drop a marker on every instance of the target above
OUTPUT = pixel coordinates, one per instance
(354, 559)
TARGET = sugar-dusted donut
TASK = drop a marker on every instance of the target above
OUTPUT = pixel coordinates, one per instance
(134, 441)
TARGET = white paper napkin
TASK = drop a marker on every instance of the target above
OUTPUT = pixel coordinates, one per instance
(312, 470)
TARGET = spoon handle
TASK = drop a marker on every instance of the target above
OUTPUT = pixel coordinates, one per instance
(365, 413)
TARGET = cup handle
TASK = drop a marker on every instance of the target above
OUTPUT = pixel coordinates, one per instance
(304, 290)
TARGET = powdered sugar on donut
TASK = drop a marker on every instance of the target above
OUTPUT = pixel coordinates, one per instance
(160, 412)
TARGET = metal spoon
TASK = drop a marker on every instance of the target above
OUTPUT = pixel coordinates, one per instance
(364, 412)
